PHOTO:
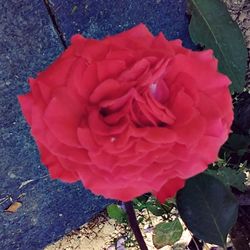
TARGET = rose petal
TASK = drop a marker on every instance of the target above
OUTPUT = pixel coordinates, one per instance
(56, 170)
(26, 102)
(88, 83)
(202, 62)
(190, 133)
(136, 71)
(89, 49)
(183, 108)
(56, 74)
(63, 116)
(160, 135)
(98, 126)
(86, 139)
(209, 146)
(105, 90)
(107, 69)
(169, 189)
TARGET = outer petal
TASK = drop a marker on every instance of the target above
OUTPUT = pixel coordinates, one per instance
(208, 77)
(191, 133)
(56, 170)
(63, 116)
(169, 189)
(26, 102)
(56, 74)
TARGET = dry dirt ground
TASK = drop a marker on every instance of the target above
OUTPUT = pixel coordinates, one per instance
(103, 233)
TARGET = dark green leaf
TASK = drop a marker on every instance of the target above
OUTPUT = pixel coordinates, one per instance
(208, 208)
(167, 206)
(238, 142)
(155, 210)
(115, 212)
(211, 26)
(140, 219)
(230, 177)
(143, 198)
(155, 207)
(138, 204)
(167, 233)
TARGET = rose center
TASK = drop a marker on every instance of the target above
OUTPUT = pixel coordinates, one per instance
(104, 112)
(153, 88)
(159, 90)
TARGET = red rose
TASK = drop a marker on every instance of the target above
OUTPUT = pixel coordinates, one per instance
(129, 114)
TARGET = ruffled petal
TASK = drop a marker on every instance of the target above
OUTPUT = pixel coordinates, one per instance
(63, 116)
(169, 189)
(56, 170)
(26, 102)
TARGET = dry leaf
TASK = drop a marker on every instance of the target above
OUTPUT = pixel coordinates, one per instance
(13, 207)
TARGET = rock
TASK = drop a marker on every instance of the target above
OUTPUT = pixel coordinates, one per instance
(28, 44)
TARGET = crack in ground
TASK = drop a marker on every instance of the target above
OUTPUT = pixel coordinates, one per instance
(55, 24)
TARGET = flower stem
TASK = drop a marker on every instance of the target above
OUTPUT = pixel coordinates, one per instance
(134, 225)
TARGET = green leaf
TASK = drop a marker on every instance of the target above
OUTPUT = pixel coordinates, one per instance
(143, 198)
(167, 233)
(156, 209)
(115, 212)
(237, 142)
(138, 205)
(230, 177)
(211, 26)
(168, 206)
(140, 202)
(208, 208)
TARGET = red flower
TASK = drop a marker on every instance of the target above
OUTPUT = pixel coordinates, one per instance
(129, 114)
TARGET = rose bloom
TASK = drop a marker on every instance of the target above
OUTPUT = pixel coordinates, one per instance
(129, 114)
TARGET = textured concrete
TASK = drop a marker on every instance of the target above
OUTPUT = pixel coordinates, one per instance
(49, 208)
(28, 44)
(99, 18)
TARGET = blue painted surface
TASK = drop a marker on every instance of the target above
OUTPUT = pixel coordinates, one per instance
(99, 18)
(28, 44)
(50, 208)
